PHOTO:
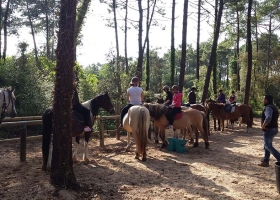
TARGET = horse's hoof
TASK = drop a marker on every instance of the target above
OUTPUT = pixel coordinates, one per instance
(156, 142)
(86, 161)
(195, 145)
(127, 148)
(75, 160)
(144, 159)
(136, 157)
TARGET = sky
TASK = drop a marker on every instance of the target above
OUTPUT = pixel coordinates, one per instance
(98, 39)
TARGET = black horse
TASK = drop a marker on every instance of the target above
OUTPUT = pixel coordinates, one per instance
(101, 101)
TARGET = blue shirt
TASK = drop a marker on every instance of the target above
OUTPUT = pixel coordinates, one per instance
(221, 98)
(268, 114)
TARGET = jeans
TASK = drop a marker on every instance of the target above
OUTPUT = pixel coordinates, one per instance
(268, 136)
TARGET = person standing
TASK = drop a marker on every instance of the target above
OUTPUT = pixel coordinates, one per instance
(221, 97)
(175, 107)
(169, 96)
(269, 126)
(192, 96)
(134, 95)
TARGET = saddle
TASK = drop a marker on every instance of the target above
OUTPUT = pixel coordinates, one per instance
(229, 108)
(77, 116)
(178, 116)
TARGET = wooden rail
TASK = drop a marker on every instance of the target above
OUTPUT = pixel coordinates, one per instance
(22, 122)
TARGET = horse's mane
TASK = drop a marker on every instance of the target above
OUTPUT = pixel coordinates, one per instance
(156, 110)
(93, 104)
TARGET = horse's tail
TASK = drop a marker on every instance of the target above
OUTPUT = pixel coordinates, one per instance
(251, 118)
(205, 124)
(141, 132)
(46, 139)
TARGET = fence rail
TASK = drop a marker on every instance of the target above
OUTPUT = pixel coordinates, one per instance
(23, 122)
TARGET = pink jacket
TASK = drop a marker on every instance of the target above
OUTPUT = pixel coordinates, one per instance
(177, 99)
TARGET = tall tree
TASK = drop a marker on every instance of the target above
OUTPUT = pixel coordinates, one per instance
(140, 48)
(62, 173)
(172, 61)
(198, 40)
(125, 36)
(5, 26)
(213, 53)
(184, 46)
(250, 57)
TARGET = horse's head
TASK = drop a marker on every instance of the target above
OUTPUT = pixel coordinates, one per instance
(160, 100)
(156, 110)
(105, 103)
(9, 101)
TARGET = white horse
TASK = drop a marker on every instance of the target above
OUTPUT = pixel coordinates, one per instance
(7, 102)
(137, 122)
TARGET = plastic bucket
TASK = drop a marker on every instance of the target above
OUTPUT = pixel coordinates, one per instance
(277, 172)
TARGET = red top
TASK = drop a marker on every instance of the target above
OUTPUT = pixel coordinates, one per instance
(177, 99)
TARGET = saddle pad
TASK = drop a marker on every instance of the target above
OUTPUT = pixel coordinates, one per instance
(178, 116)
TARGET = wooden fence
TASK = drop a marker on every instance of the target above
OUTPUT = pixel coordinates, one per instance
(23, 122)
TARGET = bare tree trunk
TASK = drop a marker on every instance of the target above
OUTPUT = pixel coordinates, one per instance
(184, 46)
(140, 53)
(256, 28)
(268, 55)
(215, 61)
(172, 44)
(237, 48)
(33, 36)
(47, 29)
(125, 37)
(1, 25)
(213, 53)
(198, 40)
(249, 70)
(62, 173)
(148, 48)
(5, 25)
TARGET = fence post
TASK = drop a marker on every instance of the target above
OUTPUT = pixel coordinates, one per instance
(118, 120)
(102, 132)
(23, 135)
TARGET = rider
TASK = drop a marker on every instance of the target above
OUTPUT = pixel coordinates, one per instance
(134, 95)
(175, 107)
(232, 98)
(169, 96)
(78, 107)
(192, 96)
(221, 97)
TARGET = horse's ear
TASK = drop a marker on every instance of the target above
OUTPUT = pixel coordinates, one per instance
(12, 89)
(106, 93)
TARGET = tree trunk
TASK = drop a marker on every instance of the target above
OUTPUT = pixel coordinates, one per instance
(1, 25)
(249, 70)
(148, 48)
(184, 46)
(214, 56)
(172, 44)
(62, 173)
(213, 53)
(256, 28)
(140, 53)
(125, 37)
(237, 48)
(47, 29)
(5, 26)
(33, 36)
(268, 55)
(198, 40)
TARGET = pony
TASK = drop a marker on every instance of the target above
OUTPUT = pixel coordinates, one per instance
(242, 110)
(7, 102)
(101, 101)
(137, 122)
(191, 118)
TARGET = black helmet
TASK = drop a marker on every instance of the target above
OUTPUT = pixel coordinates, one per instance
(166, 87)
(193, 88)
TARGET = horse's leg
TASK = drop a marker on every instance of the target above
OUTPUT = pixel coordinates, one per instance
(128, 141)
(162, 136)
(49, 163)
(77, 142)
(219, 124)
(85, 155)
(156, 129)
(196, 137)
(144, 158)
(215, 127)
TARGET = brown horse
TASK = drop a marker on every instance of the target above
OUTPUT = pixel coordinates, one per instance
(101, 101)
(243, 110)
(137, 122)
(190, 118)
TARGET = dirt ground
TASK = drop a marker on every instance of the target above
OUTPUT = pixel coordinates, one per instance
(228, 170)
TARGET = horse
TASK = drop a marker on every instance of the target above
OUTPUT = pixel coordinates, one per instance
(242, 110)
(137, 122)
(101, 101)
(189, 118)
(7, 102)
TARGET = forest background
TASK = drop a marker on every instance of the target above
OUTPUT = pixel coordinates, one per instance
(32, 70)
